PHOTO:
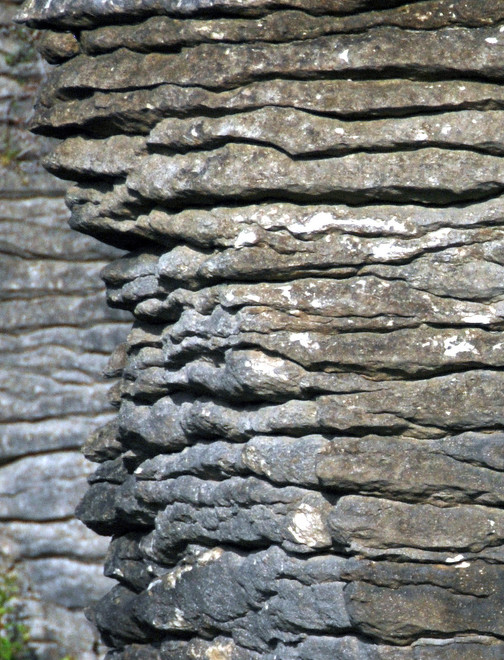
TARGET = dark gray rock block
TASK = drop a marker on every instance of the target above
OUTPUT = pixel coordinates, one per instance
(447, 600)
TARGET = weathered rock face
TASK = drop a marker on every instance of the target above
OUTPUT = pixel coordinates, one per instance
(307, 461)
(55, 337)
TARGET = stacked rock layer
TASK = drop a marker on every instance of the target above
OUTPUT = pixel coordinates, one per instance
(307, 463)
(56, 335)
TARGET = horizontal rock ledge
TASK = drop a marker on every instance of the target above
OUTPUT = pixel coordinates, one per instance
(139, 110)
(444, 53)
(69, 13)
(246, 172)
(286, 25)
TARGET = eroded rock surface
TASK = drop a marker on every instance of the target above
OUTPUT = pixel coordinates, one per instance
(307, 460)
(55, 337)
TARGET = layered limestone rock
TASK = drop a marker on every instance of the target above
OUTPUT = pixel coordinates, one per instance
(55, 337)
(307, 459)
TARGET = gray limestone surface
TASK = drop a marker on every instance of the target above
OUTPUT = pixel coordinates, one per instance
(55, 337)
(307, 461)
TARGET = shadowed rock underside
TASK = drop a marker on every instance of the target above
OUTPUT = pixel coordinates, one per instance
(307, 460)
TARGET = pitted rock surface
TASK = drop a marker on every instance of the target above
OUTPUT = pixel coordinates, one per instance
(307, 460)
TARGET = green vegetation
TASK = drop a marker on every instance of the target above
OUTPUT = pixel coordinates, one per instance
(14, 636)
(8, 156)
(26, 51)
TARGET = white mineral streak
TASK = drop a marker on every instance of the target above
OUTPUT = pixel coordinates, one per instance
(271, 367)
(388, 250)
(344, 55)
(482, 319)
(453, 347)
(304, 339)
(219, 651)
(174, 576)
(177, 621)
(286, 292)
(171, 578)
(245, 238)
(454, 560)
(308, 527)
(314, 223)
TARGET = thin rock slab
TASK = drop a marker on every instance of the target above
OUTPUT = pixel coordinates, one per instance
(396, 602)
(309, 304)
(375, 526)
(163, 32)
(439, 53)
(300, 133)
(384, 354)
(40, 13)
(461, 468)
(258, 255)
(464, 647)
(381, 231)
(248, 172)
(390, 409)
(138, 111)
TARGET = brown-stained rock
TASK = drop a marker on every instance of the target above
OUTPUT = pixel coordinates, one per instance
(58, 47)
(405, 600)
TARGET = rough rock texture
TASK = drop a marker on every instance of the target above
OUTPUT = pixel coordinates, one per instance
(307, 460)
(55, 337)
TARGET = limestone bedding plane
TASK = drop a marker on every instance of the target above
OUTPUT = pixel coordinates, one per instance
(307, 462)
(56, 335)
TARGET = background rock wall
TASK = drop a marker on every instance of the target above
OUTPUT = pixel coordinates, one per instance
(308, 461)
(56, 334)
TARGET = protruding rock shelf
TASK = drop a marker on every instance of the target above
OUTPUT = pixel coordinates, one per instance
(308, 459)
